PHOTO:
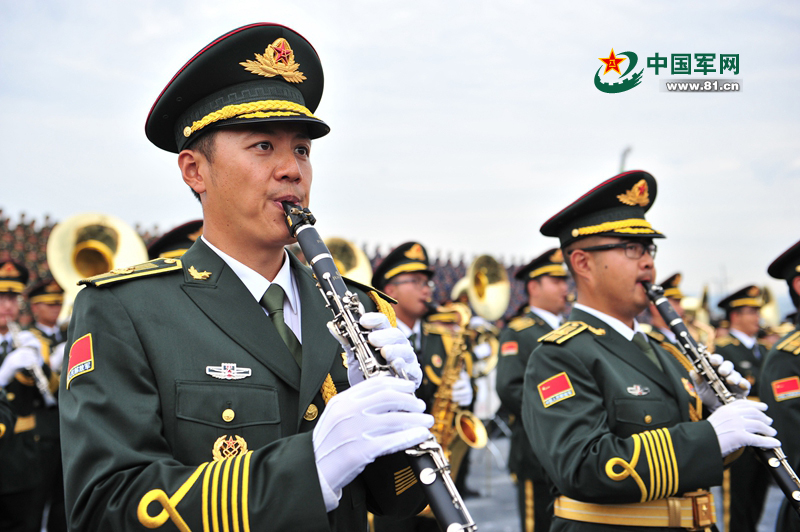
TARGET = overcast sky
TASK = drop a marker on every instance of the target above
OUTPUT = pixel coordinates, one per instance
(464, 125)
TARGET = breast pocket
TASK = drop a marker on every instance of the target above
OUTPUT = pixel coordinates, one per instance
(208, 411)
(637, 415)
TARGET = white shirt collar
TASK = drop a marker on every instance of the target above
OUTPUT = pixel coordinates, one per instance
(668, 333)
(612, 322)
(408, 331)
(49, 331)
(255, 283)
(551, 319)
(748, 341)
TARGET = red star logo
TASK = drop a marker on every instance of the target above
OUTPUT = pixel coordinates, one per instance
(612, 62)
(282, 52)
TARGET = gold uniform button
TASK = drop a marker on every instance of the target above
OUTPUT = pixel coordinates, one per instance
(311, 413)
(648, 419)
(10, 396)
(228, 415)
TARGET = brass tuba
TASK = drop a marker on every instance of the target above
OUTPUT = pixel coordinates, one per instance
(489, 291)
(90, 244)
(352, 262)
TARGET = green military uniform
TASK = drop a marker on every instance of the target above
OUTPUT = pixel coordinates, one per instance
(20, 464)
(209, 450)
(780, 378)
(46, 431)
(517, 342)
(182, 408)
(747, 480)
(612, 430)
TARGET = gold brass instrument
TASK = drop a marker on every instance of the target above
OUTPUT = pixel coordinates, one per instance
(90, 244)
(697, 320)
(455, 429)
(39, 378)
(351, 260)
(489, 292)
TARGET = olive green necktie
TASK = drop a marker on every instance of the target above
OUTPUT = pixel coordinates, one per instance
(3, 348)
(645, 346)
(413, 341)
(273, 302)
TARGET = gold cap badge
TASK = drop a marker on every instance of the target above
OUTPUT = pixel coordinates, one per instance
(278, 60)
(558, 256)
(9, 270)
(415, 252)
(638, 195)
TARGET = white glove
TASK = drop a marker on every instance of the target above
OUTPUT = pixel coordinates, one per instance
(462, 389)
(57, 357)
(743, 423)
(477, 321)
(738, 385)
(392, 344)
(482, 351)
(377, 417)
(18, 359)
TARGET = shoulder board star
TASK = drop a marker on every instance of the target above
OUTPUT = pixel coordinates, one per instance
(152, 267)
(569, 330)
(791, 344)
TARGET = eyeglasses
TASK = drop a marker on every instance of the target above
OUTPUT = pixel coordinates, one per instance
(633, 250)
(419, 282)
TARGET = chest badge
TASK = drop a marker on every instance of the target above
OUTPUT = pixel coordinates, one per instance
(637, 389)
(228, 446)
(228, 371)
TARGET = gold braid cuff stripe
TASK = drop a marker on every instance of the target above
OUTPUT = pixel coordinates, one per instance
(259, 109)
(631, 225)
(628, 468)
(661, 462)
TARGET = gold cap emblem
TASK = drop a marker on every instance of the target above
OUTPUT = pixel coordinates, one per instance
(52, 288)
(228, 446)
(415, 252)
(278, 60)
(9, 270)
(557, 256)
(753, 292)
(638, 195)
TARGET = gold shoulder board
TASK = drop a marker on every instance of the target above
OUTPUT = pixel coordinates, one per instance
(521, 322)
(791, 344)
(151, 267)
(568, 330)
(657, 336)
(726, 340)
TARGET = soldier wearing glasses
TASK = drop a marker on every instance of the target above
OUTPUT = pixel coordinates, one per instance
(608, 412)
(405, 275)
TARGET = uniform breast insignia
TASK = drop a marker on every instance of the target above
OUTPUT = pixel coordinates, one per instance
(81, 358)
(198, 276)
(228, 371)
(521, 323)
(569, 330)
(791, 344)
(436, 360)
(509, 349)
(228, 446)
(556, 389)
(788, 388)
(144, 269)
(638, 389)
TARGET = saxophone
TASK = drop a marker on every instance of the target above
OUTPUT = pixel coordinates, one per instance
(455, 429)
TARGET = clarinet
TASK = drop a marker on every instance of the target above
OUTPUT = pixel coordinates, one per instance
(427, 459)
(774, 459)
(39, 377)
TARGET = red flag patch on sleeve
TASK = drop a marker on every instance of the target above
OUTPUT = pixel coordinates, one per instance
(788, 388)
(81, 358)
(509, 348)
(556, 389)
